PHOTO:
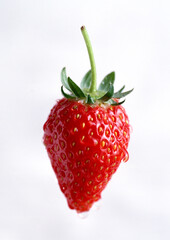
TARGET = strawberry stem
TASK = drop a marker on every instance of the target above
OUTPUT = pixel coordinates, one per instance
(91, 57)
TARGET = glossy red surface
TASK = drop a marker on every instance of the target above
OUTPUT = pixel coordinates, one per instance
(85, 144)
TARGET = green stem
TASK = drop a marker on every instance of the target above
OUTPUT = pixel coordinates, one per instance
(91, 57)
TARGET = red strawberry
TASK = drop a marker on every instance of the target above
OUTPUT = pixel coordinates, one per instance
(86, 136)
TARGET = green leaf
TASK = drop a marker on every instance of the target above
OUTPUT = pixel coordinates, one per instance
(114, 103)
(89, 99)
(120, 90)
(86, 81)
(75, 89)
(107, 95)
(64, 79)
(121, 94)
(67, 95)
(105, 83)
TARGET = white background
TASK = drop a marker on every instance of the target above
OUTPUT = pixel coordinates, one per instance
(37, 39)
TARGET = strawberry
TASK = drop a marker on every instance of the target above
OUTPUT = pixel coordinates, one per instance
(87, 135)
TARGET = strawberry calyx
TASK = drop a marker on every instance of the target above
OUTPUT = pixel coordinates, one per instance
(88, 91)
